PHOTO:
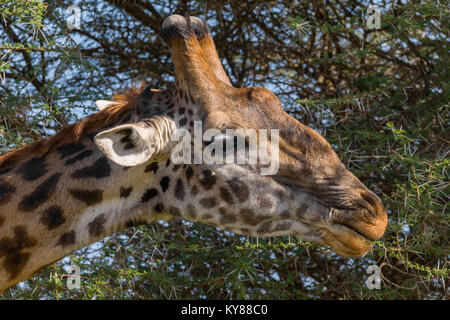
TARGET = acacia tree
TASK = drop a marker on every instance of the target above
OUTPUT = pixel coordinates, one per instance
(379, 96)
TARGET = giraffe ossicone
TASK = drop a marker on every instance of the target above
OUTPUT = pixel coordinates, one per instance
(113, 170)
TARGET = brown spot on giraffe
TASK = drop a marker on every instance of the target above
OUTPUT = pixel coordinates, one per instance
(239, 188)
(79, 157)
(41, 194)
(189, 173)
(226, 218)
(97, 226)
(100, 169)
(249, 217)
(300, 212)
(159, 207)
(208, 179)
(67, 239)
(149, 194)
(208, 203)
(89, 197)
(226, 196)
(283, 226)
(179, 190)
(265, 227)
(152, 167)
(52, 217)
(174, 211)
(33, 169)
(183, 122)
(164, 183)
(125, 192)
(194, 191)
(191, 211)
(6, 190)
(70, 149)
(14, 250)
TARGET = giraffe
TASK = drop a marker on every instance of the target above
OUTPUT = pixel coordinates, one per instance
(113, 170)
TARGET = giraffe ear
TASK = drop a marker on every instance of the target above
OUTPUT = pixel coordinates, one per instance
(102, 104)
(137, 143)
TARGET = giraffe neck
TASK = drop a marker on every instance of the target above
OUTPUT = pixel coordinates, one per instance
(53, 205)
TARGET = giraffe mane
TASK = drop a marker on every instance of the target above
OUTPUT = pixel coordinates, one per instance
(125, 101)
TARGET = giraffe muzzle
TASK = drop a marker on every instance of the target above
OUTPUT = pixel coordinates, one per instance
(351, 230)
(368, 219)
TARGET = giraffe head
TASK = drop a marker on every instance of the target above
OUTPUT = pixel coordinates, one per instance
(310, 195)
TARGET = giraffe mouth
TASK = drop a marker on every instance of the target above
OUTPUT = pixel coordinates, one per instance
(335, 221)
(356, 232)
(346, 241)
(360, 222)
(345, 229)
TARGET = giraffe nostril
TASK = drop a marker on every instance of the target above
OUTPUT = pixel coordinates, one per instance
(371, 202)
